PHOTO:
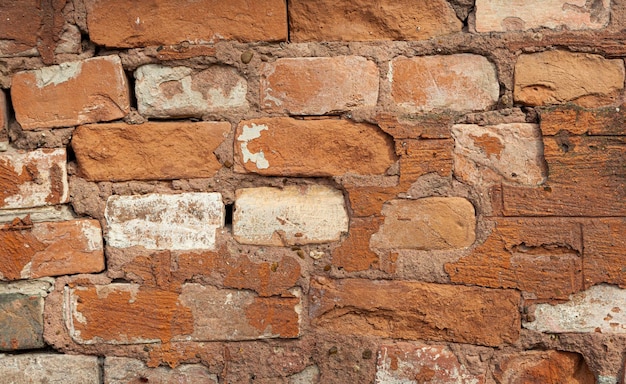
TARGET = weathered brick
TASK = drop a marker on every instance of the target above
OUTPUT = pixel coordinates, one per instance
(31, 250)
(421, 157)
(131, 314)
(554, 77)
(33, 179)
(155, 221)
(462, 82)
(123, 370)
(542, 367)
(115, 23)
(585, 178)
(540, 256)
(429, 223)
(367, 201)
(423, 126)
(164, 92)
(327, 147)
(21, 21)
(497, 16)
(605, 247)
(407, 363)
(74, 93)
(601, 121)
(488, 154)
(292, 215)
(67, 369)
(355, 254)
(360, 21)
(4, 121)
(333, 84)
(598, 309)
(156, 150)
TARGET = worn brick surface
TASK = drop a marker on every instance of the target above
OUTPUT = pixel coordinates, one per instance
(275, 146)
(554, 77)
(407, 362)
(462, 82)
(198, 313)
(123, 370)
(21, 321)
(293, 215)
(156, 150)
(358, 21)
(421, 157)
(333, 84)
(542, 367)
(601, 121)
(32, 250)
(29, 368)
(21, 21)
(116, 23)
(541, 256)
(33, 179)
(73, 93)
(155, 221)
(426, 311)
(605, 247)
(429, 223)
(495, 16)
(164, 92)
(355, 254)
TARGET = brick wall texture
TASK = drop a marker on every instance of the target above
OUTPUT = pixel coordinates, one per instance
(313, 191)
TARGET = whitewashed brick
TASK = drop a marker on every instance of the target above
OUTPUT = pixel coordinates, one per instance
(601, 308)
(122, 370)
(49, 368)
(154, 221)
(293, 215)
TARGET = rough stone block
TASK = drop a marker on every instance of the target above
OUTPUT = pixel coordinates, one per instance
(21, 321)
(67, 369)
(123, 370)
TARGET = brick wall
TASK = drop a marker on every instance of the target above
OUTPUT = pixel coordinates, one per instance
(312, 191)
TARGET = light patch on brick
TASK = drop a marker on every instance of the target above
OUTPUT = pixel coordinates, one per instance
(599, 309)
(122, 370)
(177, 222)
(57, 74)
(249, 133)
(50, 368)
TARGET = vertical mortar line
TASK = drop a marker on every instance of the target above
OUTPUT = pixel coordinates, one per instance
(101, 369)
(288, 21)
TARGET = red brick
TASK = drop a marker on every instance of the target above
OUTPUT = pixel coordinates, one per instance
(21, 321)
(416, 311)
(157, 150)
(540, 256)
(116, 23)
(605, 247)
(578, 121)
(368, 201)
(326, 147)
(359, 20)
(333, 84)
(355, 254)
(69, 94)
(542, 367)
(30, 250)
(33, 179)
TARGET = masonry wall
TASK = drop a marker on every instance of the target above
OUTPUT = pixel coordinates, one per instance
(312, 191)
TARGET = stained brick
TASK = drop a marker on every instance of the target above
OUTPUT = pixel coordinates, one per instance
(156, 150)
(31, 250)
(416, 311)
(21, 321)
(293, 215)
(540, 256)
(333, 84)
(327, 147)
(542, 367)
(67, 369)
(164, 92)
(116, 23)
(601, 121)
(123, 370)
(428, 224)
(154, 221)
(358, 20)
(462, 82)
(495, 16)
(554, 77)
(33, 179)
(605, 247)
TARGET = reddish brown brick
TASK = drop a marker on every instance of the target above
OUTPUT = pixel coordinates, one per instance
(578, 121)
(420, 157)
(605, 247)
(542, 367)
(355, 254)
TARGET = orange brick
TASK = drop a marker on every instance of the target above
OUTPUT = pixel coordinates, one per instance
(578, 121)
(355, 254)
(605, 247)
(542, 367)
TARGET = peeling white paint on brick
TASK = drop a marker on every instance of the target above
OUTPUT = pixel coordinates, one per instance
(601, 308)
(40, 287)
(248, 134)
(57, 74)
(177, 222)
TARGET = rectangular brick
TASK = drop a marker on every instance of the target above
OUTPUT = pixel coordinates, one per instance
(359, 20)
(50, 368)
(154, 221)
(462, 82)
(578, 121)
(33, 179)
(498, 16)
(165, 92)
(32, 250)
(156, 150)
(333, 84)
(328, 147)
(585, 178)
(116, 23)
(124, 370)
(80, 92)
(20, 25)
(131, 314)
(292, 215)
(422, 126)
(538, 256)
(605, 247)
(416, 311)
(420, 157)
